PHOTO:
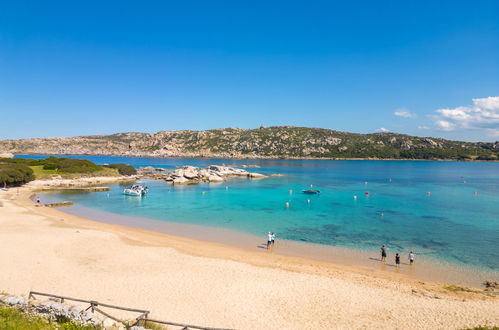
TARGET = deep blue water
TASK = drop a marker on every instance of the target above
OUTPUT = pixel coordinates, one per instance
(452, 223)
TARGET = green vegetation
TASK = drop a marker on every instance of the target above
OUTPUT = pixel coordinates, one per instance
(41, 173)
(123, 169)
(17, 171)
(70, 165)
(15, 319)
(15, 174)
(272, 142)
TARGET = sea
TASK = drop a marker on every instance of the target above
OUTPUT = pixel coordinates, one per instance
(445, 211)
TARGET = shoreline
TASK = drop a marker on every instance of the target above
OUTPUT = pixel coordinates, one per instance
(229, 285)
(426, 268)
(255, 157)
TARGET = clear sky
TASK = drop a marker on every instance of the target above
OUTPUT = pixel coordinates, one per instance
(427, 68)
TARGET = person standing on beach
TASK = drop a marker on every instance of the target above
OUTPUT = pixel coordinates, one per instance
(411, 257)
(383, 253)
(273, 239)
(269, 240)
(397, 260)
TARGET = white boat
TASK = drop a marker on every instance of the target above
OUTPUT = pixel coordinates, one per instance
(136, 190)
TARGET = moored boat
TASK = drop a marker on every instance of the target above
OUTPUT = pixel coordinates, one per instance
(311, 191)
(136, 190)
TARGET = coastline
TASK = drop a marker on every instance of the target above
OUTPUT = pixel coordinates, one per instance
(215, 156)
(426, 269)
(229, 284)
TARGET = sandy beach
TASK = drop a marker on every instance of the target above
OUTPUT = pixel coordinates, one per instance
(212, 284)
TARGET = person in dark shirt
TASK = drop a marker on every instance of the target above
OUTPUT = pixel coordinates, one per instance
(397, 260)
(383, 252)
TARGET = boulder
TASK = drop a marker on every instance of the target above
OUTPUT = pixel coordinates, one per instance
(180, 180)
(215, 178)
(256, 175)
(190, 174)
(14, 300)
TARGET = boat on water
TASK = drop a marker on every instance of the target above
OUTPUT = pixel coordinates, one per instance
(136, 190)
(311, 191)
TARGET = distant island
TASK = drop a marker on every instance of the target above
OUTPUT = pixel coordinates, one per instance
(263, 142)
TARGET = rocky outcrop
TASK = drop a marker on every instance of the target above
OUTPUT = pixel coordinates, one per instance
(6, 155)
(213, 173)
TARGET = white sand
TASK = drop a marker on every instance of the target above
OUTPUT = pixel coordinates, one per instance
(209, 284)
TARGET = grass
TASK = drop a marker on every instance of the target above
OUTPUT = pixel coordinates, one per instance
(40, 173)
(15, 319)
(154, 326)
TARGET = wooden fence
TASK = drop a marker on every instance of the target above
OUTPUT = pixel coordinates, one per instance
(139, 320)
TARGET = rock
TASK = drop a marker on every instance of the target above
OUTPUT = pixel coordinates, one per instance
(215, 178)
(190, 174)
(88, 316)
(180, 180)
(256, 175)
(147, 169)
(14, 300)
(108, 323)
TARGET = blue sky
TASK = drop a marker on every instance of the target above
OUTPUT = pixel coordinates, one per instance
(72, 68)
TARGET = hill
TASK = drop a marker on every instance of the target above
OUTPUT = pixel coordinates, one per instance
(264, 142)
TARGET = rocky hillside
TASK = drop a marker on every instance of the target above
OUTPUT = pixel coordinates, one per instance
(265, 142)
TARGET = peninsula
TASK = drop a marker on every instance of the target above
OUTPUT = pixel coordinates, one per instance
(263, 142)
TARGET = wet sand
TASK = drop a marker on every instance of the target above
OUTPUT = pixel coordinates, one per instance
(213, 284)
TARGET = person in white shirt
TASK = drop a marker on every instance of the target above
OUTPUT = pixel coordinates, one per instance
(269, 240)
(411, 257)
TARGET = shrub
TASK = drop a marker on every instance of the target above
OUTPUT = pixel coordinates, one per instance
(123, 169)
(70, 165)
(49, 166)
(15, 174)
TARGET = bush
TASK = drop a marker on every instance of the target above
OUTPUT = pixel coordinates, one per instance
(15, 174)
(123, 169)
(70, 165)
(49, 166)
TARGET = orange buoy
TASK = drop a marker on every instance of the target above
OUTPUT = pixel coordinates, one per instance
(428, 193)
(367, 193)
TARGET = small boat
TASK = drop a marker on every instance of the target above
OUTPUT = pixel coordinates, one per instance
(311, 191)
(136, 190)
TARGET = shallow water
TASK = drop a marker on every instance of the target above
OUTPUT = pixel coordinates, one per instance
(451, 224)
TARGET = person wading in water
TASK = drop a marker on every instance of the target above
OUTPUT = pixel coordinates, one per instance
(383, 253)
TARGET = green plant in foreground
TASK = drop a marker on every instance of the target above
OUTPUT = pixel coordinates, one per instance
(15, 319)
(12, 318)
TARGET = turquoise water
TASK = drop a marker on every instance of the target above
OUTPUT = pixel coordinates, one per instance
(452, 223)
